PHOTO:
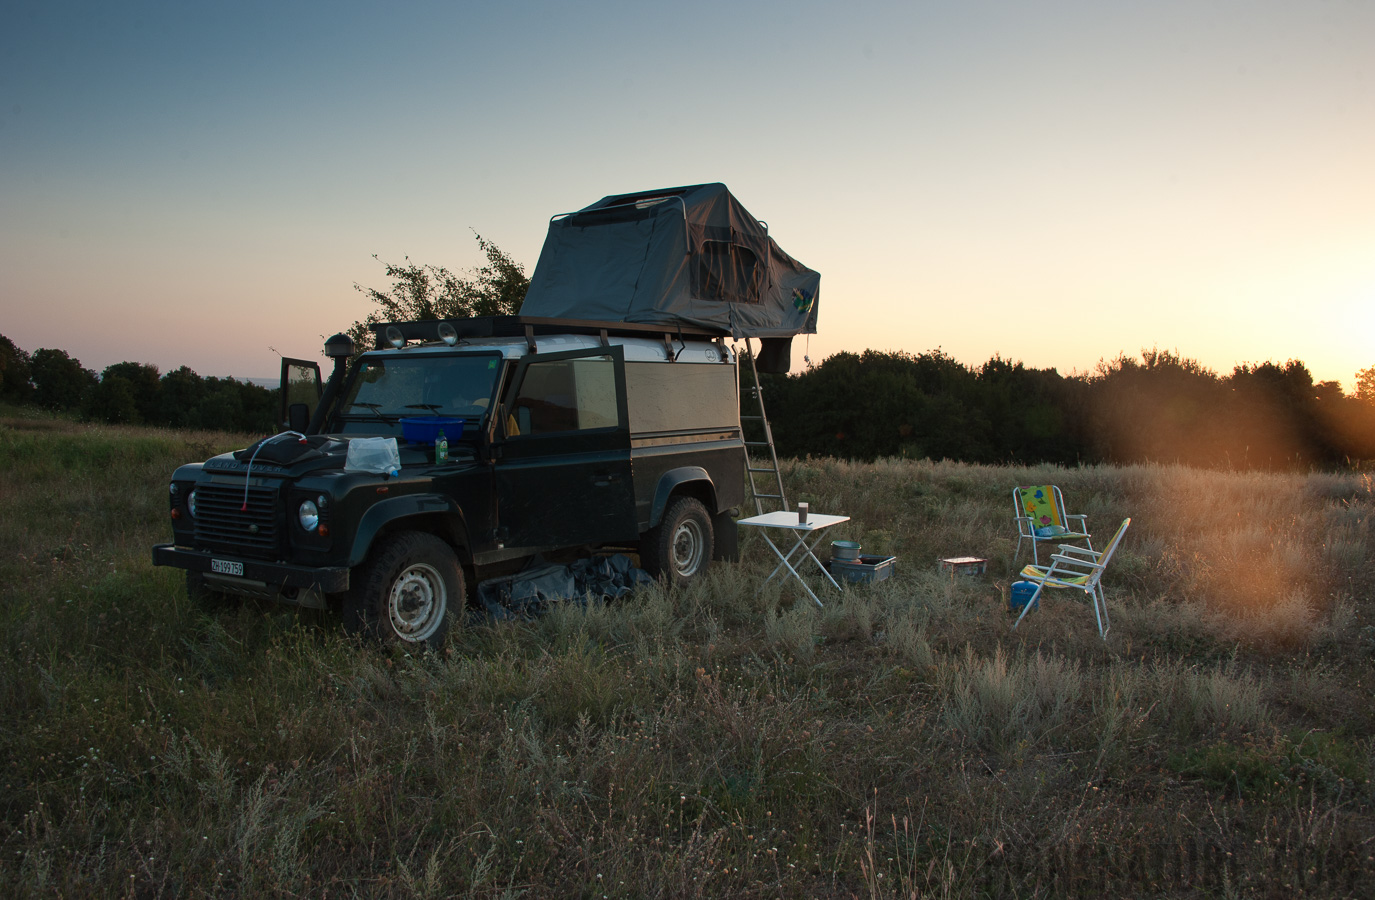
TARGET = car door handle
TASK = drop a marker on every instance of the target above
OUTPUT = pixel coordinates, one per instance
(604, 479)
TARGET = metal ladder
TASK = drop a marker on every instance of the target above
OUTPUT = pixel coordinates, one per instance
(755, 460)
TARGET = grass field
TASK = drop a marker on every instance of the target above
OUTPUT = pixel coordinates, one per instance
(731, 740)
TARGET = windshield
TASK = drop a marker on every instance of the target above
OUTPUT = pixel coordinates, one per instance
(391, 387)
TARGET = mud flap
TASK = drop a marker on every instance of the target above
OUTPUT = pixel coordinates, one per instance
(727, 536)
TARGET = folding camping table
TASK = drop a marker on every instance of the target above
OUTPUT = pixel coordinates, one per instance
(786, 520)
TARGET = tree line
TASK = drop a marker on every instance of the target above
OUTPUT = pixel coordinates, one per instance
(132, 393)
(1161, 408)
(868, 405)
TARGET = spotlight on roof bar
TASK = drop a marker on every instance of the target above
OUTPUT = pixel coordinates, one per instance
(395, 337)
(447, 334)
(341, 345)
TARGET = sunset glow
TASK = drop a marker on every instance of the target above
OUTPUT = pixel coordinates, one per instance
(1057, 184)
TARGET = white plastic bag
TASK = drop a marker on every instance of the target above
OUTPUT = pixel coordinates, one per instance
(378, 456)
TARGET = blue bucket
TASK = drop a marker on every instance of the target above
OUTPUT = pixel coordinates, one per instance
(425, 429)
(1022, 592)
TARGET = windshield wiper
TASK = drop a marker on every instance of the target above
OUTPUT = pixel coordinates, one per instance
(373, 408)
(432, 407)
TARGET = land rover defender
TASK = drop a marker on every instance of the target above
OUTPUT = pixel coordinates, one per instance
(605, 416)
(564, 438)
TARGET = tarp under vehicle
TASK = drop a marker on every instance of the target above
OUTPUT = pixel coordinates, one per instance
(535, 589)
(686, 255)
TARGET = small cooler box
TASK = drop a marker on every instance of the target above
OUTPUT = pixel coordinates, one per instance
(1022, 591)
(863, 569)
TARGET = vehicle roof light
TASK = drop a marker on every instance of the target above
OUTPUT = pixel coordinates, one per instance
(340, 345)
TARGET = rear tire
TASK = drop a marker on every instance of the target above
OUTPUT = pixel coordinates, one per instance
(679, 548)
(407, 592)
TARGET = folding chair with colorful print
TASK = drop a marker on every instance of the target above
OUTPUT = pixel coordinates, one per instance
(1079, 569)
(1041, 518)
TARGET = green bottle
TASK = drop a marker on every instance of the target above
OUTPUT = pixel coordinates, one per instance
(441, 447)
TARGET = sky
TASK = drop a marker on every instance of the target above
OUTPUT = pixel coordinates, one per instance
(1055, 183)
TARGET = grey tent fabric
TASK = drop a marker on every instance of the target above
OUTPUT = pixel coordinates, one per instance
(687, 255)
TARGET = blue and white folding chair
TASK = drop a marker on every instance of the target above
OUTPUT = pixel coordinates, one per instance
(1078, 569)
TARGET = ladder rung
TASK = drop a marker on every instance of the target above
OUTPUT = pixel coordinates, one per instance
(767, 465)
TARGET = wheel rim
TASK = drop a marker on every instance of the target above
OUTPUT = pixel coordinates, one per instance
(416, 602)
(688, 548)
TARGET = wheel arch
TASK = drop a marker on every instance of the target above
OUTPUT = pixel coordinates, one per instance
(431, 513)
(690, 481)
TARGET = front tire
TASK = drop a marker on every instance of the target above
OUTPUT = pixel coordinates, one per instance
(407, 592)
(679, 548)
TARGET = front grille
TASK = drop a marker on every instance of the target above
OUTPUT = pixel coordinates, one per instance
(222, 522)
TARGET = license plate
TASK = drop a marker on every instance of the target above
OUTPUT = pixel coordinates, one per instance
(226, 567)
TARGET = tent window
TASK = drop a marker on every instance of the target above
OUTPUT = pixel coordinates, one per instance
(728, 272)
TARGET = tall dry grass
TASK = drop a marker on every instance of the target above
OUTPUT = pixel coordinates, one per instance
(730, 739)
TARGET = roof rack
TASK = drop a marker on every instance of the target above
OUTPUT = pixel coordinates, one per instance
(530, 326)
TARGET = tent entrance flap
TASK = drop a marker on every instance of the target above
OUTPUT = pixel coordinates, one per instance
(689, 255)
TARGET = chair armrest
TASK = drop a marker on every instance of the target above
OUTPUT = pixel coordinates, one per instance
(1071, 548)
(1083, 521)
(1073, 566)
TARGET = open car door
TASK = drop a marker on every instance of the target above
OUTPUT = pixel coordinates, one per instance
(300, 393)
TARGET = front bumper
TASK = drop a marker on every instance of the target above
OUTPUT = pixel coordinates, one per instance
(325, 579)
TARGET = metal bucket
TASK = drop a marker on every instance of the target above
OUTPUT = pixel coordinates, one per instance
(845, 550)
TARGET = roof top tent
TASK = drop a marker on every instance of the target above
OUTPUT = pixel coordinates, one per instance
(690, 256)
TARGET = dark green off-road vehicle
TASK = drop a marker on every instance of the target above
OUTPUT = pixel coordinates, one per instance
(564, 438)
(605, 416)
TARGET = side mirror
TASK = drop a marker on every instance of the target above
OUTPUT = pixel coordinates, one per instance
(298, 417)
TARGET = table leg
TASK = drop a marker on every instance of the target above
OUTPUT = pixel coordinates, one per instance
(788, 558)
(810, 551)
(784, 563)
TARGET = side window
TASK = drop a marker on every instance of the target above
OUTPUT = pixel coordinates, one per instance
(566, 395)
(302, 384)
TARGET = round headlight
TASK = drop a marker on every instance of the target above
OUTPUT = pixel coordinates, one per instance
(308, 514)
(191, 504)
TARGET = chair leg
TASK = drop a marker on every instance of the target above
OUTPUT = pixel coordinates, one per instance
(1096, 597)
